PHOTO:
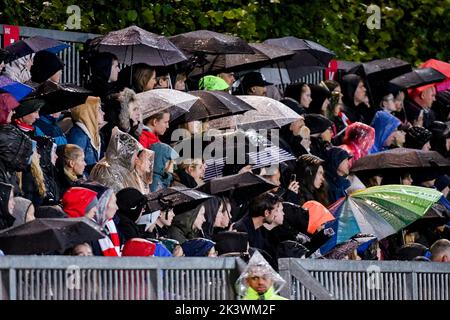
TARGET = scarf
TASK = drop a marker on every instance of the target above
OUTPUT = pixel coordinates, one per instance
(24, 126)
(110, 245)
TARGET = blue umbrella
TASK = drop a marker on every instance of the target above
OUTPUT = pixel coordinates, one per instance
(16, 89)
(31, 45)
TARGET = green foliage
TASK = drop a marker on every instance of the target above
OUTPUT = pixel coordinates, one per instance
(414, 30)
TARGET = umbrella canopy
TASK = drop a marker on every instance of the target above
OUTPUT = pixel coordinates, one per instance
(307, 53)
(44, 236)
(136, 45)
(243, 185)
(442, 67)
(268, 114)
(402, 159)
(213, 104)
(157, 100)
(34, 44)
(265, 54)
(416, 78)
(6, 56)
(175, 197)
(210, 42)
(16, 89)
(377, 74)
(59, 97)
(379, 211)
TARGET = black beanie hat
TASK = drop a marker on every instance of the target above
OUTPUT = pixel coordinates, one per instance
(28, 106)
(317, 123)
(45, 64)
(130, 202)
(417, 137)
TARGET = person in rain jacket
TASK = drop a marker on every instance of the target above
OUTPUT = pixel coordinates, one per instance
(336, 171)
(7, 204)
(199, 247)
(131, 203)
(358, 140)
(187, 225)
(356, 103)
(85, 132)
(385, 126)
(7, 105)
(259, 281)
(163, 166)
(15, 154)
(47, 125)
(116, 169)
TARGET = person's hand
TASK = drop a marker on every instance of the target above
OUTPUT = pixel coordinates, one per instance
(294, 186)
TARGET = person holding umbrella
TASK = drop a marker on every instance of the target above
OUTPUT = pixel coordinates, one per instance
(187, 224)
(139, 77)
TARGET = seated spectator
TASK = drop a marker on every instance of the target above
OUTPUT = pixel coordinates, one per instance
(7, 205)
(440, 251)
(187, 225)
(199, 247)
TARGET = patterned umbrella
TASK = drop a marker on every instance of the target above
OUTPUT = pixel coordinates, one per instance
(380, 211)
(135, 45)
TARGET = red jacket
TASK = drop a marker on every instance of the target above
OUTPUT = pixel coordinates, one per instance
(148, 138)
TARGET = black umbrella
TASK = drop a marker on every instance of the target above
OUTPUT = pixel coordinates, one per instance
(214, 104)
(44, 236)
(31, 45)
(377, 74)
(400, 159)
(59, 97)
(210, 42)
(417, 78)
(307, 52)
(136, 45)
(178, 198)
(6, 56)
(241, 186)
(265, 54)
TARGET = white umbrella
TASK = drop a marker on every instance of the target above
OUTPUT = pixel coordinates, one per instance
(157, 100)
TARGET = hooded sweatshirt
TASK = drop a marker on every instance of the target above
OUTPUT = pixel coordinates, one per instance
(361, 112)
(181, 228)
(337, 185)
(384, 124)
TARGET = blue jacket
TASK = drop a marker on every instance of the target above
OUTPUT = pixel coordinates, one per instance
(337, 185)
(77, 136)
(384, 124)
(46, 126)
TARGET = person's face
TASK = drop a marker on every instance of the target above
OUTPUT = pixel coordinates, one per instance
(327, 135)
(197, 171)
(428, 97)
(389, 103)
(258, 91)
(229, 78)
(56, 115)
(360, 93)
(78, 165)
(151, 82)
(270, 215)
(344, 168)
(306, 141)
(319, 178)
(31, 118)
(30, 214)
(212, 252)
(197, 225)
(399, 99)
(135, 111)
(259, 284)
(178, 251)
(305, 97)
(222, 217)
(143, 162)
(82, 250)
(160, 126)
(11, 202)
(194, 127)
(100, 116)
(399, 137)
(296, 126)
(111, 207)
(279, 216)
(114, 71)
(162, 217)
(56, 77)
(407, 180)
(426, 146)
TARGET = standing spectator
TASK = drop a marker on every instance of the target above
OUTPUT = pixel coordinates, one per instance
(105, 70)
(356, 102)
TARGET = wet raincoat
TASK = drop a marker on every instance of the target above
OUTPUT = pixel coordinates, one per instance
(116, 170)
(359, 139)
(384, 124)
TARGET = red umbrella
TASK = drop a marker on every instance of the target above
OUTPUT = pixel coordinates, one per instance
(442, 67)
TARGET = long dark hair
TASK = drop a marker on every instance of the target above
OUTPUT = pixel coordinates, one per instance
(306, 169)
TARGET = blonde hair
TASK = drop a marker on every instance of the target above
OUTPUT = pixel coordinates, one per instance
(189, 163)
(37, 174)
(304, 132)
(71, 153)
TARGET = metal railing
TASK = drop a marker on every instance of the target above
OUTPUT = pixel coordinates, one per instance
(103, 278)
(309, 279)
